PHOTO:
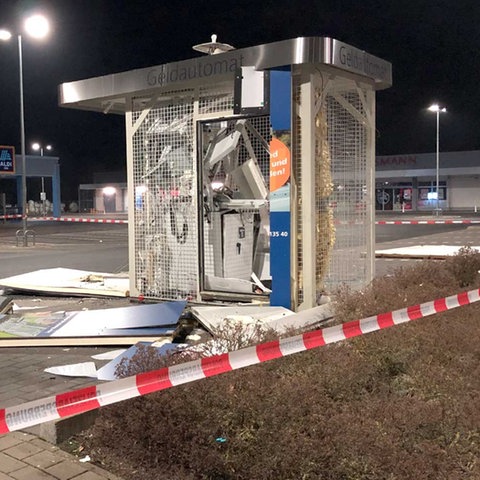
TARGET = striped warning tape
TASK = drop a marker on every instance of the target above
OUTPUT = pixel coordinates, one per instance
(78, 220)
(66, 219)
(410, 222)
(337, 222)
(427, 222)
(96, 396)
(7, 217)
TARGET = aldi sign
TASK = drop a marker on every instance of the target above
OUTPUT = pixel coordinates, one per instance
(7, 159)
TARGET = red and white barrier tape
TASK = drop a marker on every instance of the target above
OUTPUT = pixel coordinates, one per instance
(96, 396)
(411, 222)
(337, 222)
(426, 222)
(78, 220)
(7, 217)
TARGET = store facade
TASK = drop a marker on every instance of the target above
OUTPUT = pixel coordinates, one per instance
(409, 182)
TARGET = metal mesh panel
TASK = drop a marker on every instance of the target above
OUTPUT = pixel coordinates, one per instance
(347, 142)
(333, 132)
(164, 181)
(297, 191)
(165, 198)
(215, 100)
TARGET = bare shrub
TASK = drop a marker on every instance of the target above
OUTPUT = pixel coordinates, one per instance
(425, 281)
(233, 335)
(465, 266)
(147, 358)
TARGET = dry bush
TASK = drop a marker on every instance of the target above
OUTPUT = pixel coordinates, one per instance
(232, 335)
(400, 404)
(465, 266)
(427, 280)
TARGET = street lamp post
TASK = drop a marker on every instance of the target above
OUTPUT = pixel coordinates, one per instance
(37, 27)
(36, 146)
(435, 108)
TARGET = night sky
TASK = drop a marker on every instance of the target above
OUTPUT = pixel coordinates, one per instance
(433, 46)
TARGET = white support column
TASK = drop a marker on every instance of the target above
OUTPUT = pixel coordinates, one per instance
(196, 173)
(129, 132)
(370, 173)
(307, 214)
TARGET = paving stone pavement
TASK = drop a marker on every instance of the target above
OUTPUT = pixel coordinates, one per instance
(24, 455)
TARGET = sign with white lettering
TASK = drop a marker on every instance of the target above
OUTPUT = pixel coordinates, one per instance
(358, 61)
(7, 159)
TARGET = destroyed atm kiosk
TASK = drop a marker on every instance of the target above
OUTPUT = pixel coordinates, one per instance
(250, 171)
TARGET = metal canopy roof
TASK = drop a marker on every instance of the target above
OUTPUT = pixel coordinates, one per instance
(109, 93)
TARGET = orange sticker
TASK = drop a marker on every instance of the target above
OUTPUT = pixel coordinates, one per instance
(279, 164)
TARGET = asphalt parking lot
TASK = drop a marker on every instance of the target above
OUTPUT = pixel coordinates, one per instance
(83, 246)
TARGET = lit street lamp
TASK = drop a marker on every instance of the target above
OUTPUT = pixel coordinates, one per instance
(35, 26)
(435, 108)
(36, 146)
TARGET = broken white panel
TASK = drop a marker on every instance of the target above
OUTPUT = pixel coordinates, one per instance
(308, 318)
(100, 322)
(224, 147)
(109, 355)
(279, 319)
(107, 372)
(67, 280)
(84, 369)
(259, 284)
(115, 283)
(220, 284)
(214, 317)
(249, 180)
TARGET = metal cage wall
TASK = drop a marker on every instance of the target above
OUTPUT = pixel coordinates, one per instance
(161, 139)
(333, 154)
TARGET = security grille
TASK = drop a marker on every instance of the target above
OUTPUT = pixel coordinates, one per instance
(215, 100)
(331, 129)
(163, 150)
(347, 132)
(165, 201)
(330, 169)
